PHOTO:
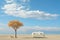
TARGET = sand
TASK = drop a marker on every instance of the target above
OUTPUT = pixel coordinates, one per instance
(29, 37)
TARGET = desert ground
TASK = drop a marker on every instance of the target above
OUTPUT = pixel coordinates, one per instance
(29, 37)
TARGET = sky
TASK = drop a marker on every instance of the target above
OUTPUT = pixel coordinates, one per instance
(36, 16)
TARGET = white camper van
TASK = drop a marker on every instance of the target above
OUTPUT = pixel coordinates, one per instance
(38, 34)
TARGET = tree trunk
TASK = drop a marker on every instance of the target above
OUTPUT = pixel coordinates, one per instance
(15, 33)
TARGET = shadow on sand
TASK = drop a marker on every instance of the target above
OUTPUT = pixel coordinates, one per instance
(35, 37)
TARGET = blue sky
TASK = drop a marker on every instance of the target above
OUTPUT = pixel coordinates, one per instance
(36, 15)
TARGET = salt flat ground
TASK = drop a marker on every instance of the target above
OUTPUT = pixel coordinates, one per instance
(29, 37)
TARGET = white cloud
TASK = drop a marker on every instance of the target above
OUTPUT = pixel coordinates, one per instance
(9, 1)
(38, 28)
(1, 24)
(19, 10)
(1, 28)
(25, 1)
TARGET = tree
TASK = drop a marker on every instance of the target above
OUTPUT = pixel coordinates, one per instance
(15, 25)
